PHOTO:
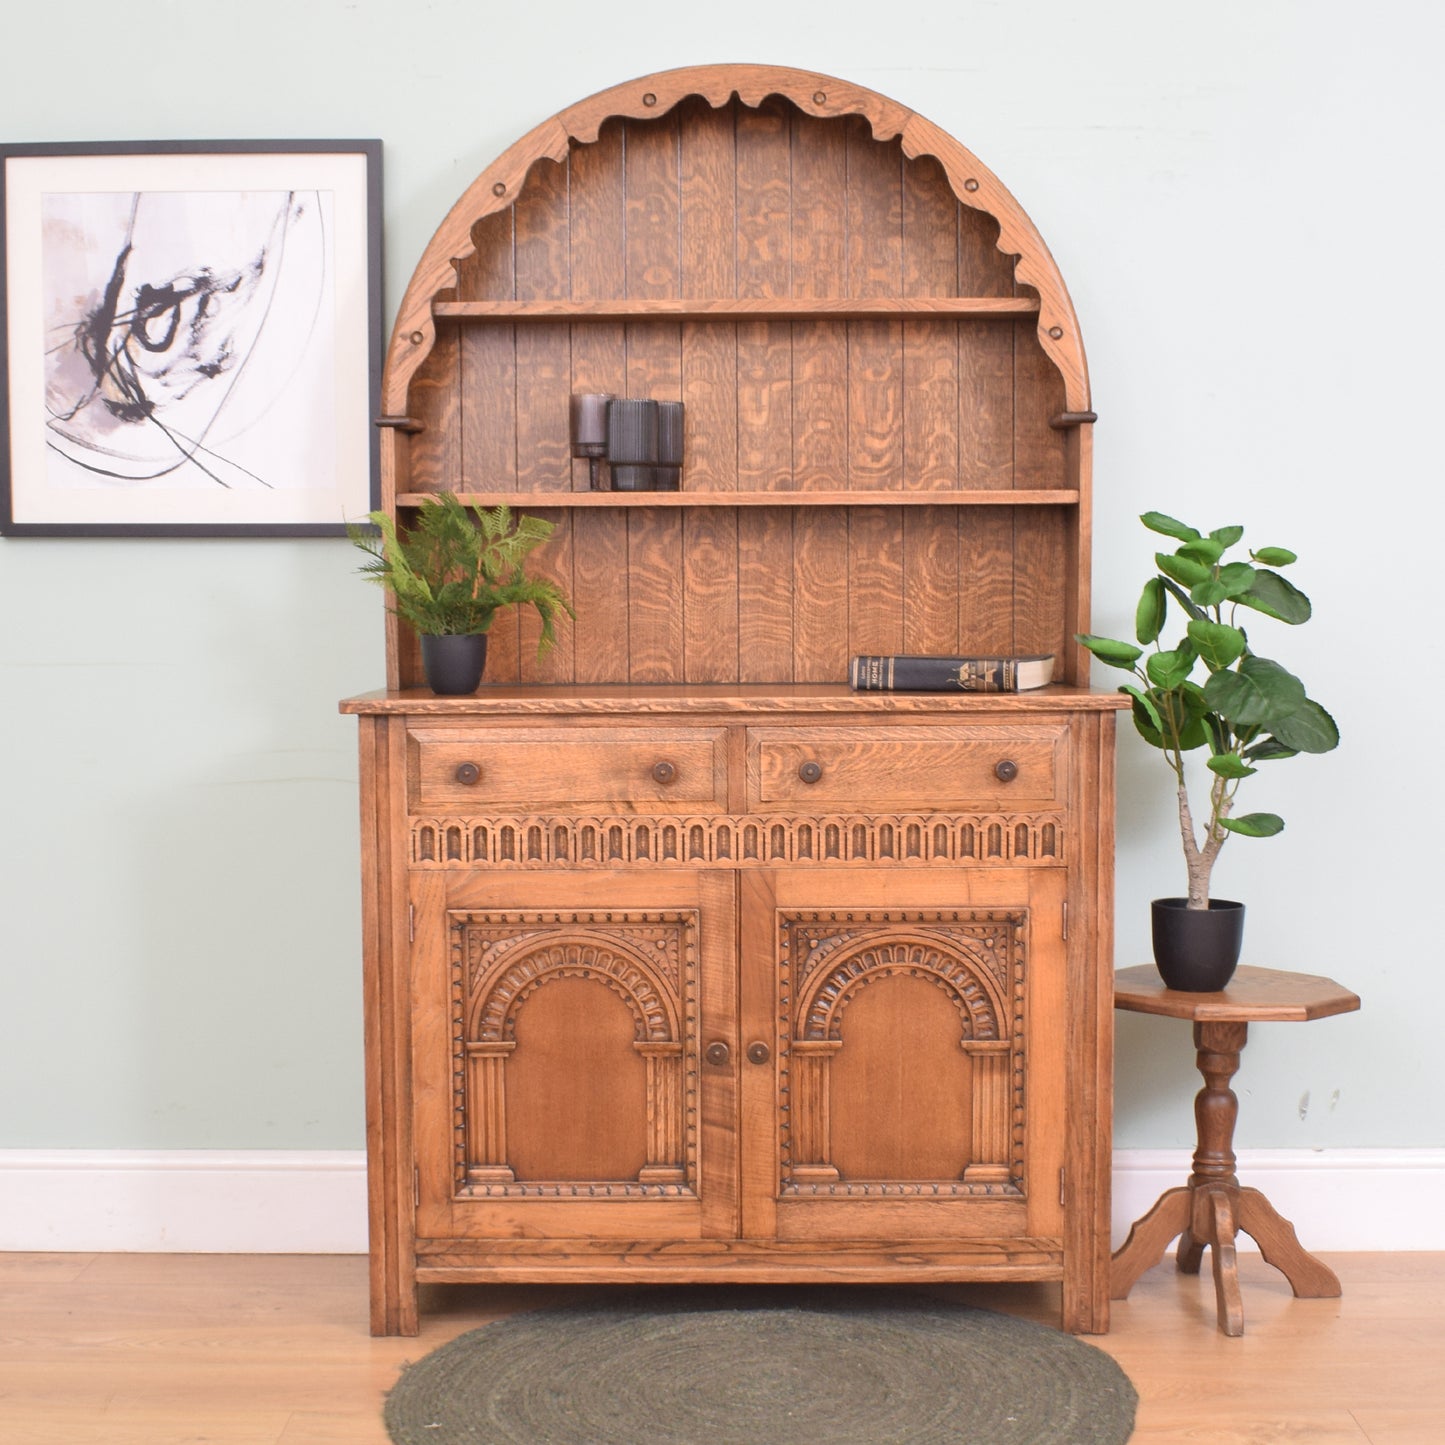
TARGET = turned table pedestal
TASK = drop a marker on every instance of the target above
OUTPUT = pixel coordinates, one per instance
(1212, 1208)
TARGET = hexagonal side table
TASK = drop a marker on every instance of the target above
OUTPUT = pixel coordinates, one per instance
(1212, 1208)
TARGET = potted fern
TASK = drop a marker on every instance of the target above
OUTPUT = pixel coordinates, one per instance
(450, 574)
(1246, 710)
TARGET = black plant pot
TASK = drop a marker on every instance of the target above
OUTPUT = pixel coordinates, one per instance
(1195, 949)
(454, 663)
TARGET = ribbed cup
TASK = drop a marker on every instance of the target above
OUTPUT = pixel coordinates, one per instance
(668, 472)
(669, 433)
(631, 432)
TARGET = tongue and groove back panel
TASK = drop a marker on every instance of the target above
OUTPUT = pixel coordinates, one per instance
(779, 272)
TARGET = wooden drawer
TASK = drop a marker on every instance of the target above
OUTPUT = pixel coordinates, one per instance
(661, 770)
(902, 769)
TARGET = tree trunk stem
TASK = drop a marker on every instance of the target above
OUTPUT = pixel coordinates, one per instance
(1195, 860)
(1199, 861)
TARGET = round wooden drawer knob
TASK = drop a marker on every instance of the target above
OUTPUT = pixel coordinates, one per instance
(664, 772)
(810, 772)
(468, 773)
(759, 1053)
(1006, 771)
(717, 1053)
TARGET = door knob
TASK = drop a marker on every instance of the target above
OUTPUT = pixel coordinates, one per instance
(468, 773)
(1006, 771)
(664, 771)
(717, 1052)
(810, 772)
(758, 1052)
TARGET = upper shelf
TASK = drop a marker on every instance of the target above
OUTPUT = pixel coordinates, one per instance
(738, 308)
(861, 497)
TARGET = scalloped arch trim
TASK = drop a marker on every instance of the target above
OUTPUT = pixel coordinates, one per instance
(651, 96)
(956, 968)
(599, 956)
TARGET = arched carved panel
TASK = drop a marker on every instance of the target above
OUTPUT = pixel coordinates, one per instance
(647, 959)
(976, 959)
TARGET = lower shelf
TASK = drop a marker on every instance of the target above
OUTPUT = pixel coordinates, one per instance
(791, 497)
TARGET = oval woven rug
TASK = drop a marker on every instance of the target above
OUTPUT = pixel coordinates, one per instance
(742, 1367)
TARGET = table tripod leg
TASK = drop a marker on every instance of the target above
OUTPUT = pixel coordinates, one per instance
(1278, 1243)
(1189, 1254)
(1226, 1269)
(1148, 1239)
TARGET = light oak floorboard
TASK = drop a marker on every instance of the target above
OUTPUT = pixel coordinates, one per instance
(274, 1350)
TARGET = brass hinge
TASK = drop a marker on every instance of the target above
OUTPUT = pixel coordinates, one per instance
(1066, 920)
(416, 1187)
(411, 922)
(1061, 1186)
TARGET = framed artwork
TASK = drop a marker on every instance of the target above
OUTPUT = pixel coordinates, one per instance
(190, 337)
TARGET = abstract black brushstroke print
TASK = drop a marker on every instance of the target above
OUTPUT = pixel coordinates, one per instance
(175, 319)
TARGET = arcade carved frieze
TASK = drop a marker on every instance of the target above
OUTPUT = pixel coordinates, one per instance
(739, 840)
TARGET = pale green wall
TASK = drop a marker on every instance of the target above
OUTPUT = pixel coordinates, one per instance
(1244, 198)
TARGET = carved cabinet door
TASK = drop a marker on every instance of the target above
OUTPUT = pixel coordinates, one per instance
(559, 1026)
(903, 1061)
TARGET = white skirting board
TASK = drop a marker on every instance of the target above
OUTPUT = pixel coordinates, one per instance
(187, 1201)
(314, 1202)
(1337, 1199)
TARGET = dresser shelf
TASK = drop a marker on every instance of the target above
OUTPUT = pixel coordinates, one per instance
(1004, 308)
(877, 497)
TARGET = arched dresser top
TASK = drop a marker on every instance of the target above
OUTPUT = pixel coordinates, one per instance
(652, 97)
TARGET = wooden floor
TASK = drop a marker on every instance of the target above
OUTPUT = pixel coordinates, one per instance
(255, 1350)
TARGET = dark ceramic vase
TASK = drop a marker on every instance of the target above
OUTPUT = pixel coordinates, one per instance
(1195, 949)
(454, 663)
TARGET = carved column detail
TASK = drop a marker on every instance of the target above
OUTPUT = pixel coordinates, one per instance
(812, 1126)
(992, 1110)
(486, 1113)
(664, 1114)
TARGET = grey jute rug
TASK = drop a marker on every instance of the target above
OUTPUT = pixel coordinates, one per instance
(755, 1367)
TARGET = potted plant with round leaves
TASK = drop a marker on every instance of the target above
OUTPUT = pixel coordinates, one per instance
(450, 574)
(1213, 691)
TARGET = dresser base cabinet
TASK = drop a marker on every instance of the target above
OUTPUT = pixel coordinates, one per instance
(815, 1045)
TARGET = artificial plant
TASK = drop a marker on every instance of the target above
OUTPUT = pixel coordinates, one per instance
(1247, 709)
(457, 565)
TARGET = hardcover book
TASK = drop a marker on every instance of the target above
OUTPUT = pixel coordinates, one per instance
(950, 674)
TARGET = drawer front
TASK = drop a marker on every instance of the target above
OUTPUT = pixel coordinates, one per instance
(478, 769)
(903, 769)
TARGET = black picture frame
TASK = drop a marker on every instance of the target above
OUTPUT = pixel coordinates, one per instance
(190, 337)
